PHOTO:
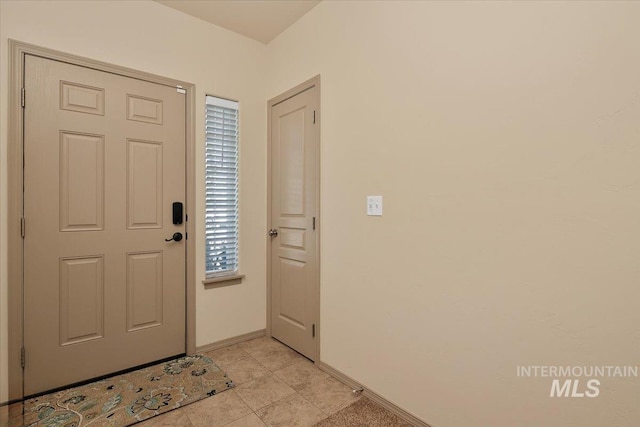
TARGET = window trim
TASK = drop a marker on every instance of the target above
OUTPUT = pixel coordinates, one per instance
(220, 281)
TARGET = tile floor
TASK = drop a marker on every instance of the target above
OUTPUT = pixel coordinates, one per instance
(275, 386)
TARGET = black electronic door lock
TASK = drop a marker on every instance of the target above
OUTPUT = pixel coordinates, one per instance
(177, 213)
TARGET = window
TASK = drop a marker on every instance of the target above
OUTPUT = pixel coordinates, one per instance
(221, 187)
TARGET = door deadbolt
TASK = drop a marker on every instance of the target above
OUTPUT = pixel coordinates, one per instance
(176, 237)
(273, 232)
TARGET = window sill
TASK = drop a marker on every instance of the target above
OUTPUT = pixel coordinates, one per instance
(220, 281)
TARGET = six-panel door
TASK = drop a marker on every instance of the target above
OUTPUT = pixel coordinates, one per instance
(104, 161)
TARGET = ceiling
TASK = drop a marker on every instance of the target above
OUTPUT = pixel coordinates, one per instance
(261, 20)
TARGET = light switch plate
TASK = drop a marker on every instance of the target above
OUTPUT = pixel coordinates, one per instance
(374, 205)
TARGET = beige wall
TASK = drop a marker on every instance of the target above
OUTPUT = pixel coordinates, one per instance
(151, 37)
(505, 139)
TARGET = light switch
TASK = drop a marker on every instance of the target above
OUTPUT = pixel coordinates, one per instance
(374, 205)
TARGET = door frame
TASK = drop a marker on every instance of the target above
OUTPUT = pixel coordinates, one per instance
(15, 247)
(306, 85)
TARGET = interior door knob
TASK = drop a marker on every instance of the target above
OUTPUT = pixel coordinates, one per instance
(273, 232)
(176, 237)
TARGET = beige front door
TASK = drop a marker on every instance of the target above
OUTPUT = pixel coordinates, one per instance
(104, 161)
(294, 262)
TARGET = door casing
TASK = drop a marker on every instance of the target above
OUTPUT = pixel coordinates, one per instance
(18, 50)
(312, 82)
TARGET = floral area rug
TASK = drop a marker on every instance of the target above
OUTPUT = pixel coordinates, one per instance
(129, 398)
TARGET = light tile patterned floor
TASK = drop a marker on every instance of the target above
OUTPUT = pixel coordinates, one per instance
(275, 386)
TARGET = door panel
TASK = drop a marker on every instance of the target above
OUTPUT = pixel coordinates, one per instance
(83, 99)
(144, 184)
(104, 161)
(294, 264)
(81, 299)
(144, 290)
(81, 187)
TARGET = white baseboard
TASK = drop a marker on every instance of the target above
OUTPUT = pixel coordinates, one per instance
(230, 341)
(391, 407)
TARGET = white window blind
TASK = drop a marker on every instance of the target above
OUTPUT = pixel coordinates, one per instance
(221, 201)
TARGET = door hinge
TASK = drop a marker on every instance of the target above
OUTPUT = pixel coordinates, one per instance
(313, 331)
(22, 97)
(22, 357)
(314, 116)
(23, 227)
(314, 222)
